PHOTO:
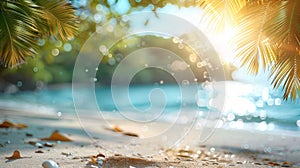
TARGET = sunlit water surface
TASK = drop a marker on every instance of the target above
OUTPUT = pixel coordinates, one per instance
(247, 106)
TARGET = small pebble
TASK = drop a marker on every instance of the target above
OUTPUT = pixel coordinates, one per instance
(66, 154)
(39, 145)
(100, 162)
(49, 164)
(48, 144)
(38, 151)
(224, 161)
(29, 134)
(273, 164)
(286, 163)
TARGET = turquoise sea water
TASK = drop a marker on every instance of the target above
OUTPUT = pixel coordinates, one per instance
(245, 105)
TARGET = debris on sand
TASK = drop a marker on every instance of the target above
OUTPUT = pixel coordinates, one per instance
(56, 136)
(8, 124)
(49, 164)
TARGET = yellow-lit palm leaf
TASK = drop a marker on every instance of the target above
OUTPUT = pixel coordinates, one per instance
(253, 47)
(286, 33)
(220, 14)
(286, 72)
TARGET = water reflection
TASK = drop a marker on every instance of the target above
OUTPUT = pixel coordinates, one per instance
(242, 110)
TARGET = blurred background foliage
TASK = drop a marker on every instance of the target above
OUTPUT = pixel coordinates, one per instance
(55, 58)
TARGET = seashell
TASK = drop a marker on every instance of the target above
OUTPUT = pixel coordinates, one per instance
(39, 145)
(49, 164)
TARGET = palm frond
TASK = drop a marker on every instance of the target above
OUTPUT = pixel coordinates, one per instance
(286, 72)
(18, 32)
(58, 19)
(285, 23)
(22, 22)
(286, 33)
(253, 46)
(220, 15)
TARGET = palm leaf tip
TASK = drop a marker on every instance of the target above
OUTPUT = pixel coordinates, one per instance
(286, 74)
(59, 19)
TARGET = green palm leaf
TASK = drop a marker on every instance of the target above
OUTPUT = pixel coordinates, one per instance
(58, 19)
(22, 22)
(253, 46)
(18, 32)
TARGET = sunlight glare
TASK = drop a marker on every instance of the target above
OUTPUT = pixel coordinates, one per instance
(221, 42)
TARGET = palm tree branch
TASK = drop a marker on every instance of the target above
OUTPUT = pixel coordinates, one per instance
(6, 25)
(286, 71)
(253, 47)
(58, 19)
(220, 15)
(18, 31)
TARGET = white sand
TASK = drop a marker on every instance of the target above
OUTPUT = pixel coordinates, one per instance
(234, 148)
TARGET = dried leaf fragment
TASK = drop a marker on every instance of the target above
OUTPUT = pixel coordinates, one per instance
(8, 124)
(38, 151)
(115, 129)
(273, 163)
(119, 130)
(20, 126)
(93, 160)
(16, 155)
(130, 134)
(56, 136)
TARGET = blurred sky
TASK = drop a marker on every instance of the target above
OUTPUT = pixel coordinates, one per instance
(193, 15)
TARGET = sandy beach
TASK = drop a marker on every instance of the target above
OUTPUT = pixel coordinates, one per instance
(122, 144)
